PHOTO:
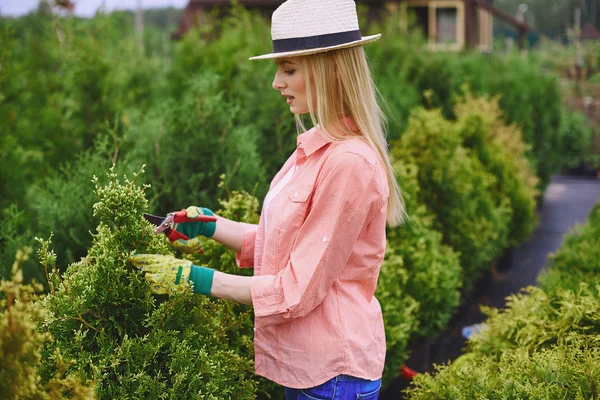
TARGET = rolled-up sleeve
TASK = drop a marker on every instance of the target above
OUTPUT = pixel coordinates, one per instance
(245, 257)
(346, 197)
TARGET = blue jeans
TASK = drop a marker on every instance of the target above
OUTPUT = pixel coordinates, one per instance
(342, 387)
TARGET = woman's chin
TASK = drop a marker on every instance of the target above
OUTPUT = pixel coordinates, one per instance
(298, 111)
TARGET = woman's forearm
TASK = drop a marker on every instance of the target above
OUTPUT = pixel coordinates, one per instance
(229, 233)
(231, 287)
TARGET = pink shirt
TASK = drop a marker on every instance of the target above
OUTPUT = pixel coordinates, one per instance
(317, 264)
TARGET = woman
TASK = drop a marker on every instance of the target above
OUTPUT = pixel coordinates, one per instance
(320, 242)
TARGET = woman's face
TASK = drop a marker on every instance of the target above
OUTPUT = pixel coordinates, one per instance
(289, 80)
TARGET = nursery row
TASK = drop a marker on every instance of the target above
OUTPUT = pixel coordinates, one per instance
(544, 345)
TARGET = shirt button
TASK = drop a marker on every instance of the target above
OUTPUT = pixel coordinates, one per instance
(301, 146)
(324, 239)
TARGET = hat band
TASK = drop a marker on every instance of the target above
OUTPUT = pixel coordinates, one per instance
(315, 42)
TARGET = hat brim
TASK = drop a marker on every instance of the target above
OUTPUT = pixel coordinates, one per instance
(363, 41)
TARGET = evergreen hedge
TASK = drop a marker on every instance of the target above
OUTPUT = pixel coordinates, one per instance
(457, 189)
(544, 344)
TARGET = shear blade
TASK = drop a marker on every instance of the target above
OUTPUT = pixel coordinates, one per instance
(160, 222)
(153, 219)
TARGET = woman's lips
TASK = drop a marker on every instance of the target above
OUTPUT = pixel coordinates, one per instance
(290, 100)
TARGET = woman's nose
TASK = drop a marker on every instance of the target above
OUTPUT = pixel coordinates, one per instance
(278, 83)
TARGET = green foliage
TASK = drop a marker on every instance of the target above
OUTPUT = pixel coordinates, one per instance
(578, 260)
(188, 144)
(502, 152)
(433, 270)
(68, 78)
(457, 189)
(419, 281)
(132, 343)
(576, 140)
(63, 205)
(540, 347)
(14, 235)
(544, 345)
(224, 47)
(21, 344)
(410, 75)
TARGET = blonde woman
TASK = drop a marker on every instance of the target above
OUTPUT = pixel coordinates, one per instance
(320, 242)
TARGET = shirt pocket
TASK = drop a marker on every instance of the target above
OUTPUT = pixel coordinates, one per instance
(294, 208)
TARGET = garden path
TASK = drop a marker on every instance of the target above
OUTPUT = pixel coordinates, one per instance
(567, 202)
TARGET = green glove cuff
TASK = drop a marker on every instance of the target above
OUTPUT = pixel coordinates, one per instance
(193, 229)
(202, 278)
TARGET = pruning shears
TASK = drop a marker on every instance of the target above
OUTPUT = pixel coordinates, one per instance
(167, 224)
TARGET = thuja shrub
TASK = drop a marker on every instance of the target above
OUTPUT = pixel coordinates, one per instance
(544, 344)
(223, 46)
(399, 313)
(578, 259)
(457, 189)
(541, 347)
(575, 140)
(14, 235)
(188, 143)
(433, 269)
(132, 343)
(21, 344)
(500, 148)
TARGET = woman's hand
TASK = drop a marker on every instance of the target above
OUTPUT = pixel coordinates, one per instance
(193, 230)
(164, 271)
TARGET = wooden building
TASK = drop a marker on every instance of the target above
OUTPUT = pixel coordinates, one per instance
(459, 24)
(448, 24)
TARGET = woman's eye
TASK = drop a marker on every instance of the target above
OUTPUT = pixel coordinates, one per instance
(290, 71)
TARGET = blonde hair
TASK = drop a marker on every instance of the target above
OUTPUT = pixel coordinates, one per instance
(342, 83)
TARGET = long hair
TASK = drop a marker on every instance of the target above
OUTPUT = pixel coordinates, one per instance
(341, 83)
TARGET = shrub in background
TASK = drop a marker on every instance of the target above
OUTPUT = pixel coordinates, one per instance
(540, 347)
(576, 140)
(224, 47)
(578, 259)
(408, 75)
(187, 144)
(68, 78)
(433, 269)
(458, 190)
(544, 344)
(419, 281)
(14, 235)
(501, 150)
(132, 343)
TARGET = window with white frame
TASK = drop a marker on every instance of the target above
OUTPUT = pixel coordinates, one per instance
(446, 20)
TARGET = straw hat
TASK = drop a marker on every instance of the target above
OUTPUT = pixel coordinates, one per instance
(301, 27)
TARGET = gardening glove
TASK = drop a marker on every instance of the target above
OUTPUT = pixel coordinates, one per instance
(164, 271)
(193, 230)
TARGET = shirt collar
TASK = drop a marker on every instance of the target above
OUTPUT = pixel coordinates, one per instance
(313, 139)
